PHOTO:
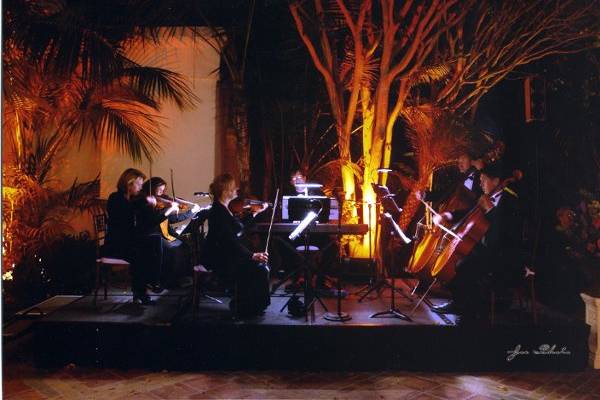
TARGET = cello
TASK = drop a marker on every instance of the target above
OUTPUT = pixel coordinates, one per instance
(427, 249)
(469, 231)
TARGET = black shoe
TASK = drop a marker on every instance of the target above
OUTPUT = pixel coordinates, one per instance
(294, 287)
(296, 307)
(143, 299)
(447, 308)
(156, 288)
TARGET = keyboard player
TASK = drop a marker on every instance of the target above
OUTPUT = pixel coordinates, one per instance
(285, 257)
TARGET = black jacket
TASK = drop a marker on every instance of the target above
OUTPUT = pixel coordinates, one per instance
(441, 194)
(224, 248)
(120, 225)
(502, 244)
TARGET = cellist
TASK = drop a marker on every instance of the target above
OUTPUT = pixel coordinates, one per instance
(495, 261)
(469, 166)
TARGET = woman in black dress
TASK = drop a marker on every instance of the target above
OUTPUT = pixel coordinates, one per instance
(172, 255)
(235, 264)
(128, 215)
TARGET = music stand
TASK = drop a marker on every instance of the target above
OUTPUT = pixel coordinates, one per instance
(378, 283)
(306, 186)
(393, 312)
(298, 208)
(310, 295)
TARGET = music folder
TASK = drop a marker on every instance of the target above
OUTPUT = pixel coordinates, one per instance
(295, 208)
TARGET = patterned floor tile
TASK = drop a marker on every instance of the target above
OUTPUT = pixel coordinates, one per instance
(177, 391)
(24, 395)
(23, 382)
(450, 392)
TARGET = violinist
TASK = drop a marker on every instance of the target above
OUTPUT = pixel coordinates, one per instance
(236, 265)
(496, 260)
(122, 240)
(174, 254)
(120, 215)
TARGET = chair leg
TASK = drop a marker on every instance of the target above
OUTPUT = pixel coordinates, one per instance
(97, 283)
(105, 271)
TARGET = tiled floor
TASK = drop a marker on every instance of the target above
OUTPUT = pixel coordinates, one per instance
(22, 381)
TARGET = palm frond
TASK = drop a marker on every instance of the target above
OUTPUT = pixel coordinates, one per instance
(160, 83)
(431, 74)
(328, 174)
(83, 196)
(370, 69)
(66, 39)
(130, 126)
(436, 138)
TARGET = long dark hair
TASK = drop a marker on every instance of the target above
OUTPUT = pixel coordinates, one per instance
(152, 184)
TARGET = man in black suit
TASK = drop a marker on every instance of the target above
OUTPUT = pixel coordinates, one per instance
(496, 261)
(469, 167)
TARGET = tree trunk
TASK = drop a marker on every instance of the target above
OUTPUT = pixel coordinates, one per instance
(269, 179)
(239, 118)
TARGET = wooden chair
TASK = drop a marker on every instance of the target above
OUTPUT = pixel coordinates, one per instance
(104, 265)
(201, 277)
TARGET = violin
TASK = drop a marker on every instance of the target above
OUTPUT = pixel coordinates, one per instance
(240, 206)
(166, 201)
(182, 203)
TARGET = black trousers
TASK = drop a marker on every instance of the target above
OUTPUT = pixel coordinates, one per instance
(146, 262)
(479, 273)
(471, 285)
(175, 261)
(252, 292)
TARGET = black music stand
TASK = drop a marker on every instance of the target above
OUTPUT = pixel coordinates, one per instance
(310, 295)
(393, 312)
(298, 209)
(378, 282)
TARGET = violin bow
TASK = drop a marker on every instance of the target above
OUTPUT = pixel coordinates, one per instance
(150, 180)
(173, 188)
(272, 219)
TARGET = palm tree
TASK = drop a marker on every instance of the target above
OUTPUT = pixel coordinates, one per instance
(67, 77)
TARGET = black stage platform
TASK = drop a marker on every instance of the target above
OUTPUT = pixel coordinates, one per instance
(170, 335)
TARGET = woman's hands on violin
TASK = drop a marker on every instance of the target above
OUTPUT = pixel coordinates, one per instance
(260, 257)
(173, 206)
(258, 208)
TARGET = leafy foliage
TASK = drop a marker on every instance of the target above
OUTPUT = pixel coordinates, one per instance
(67, 77)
